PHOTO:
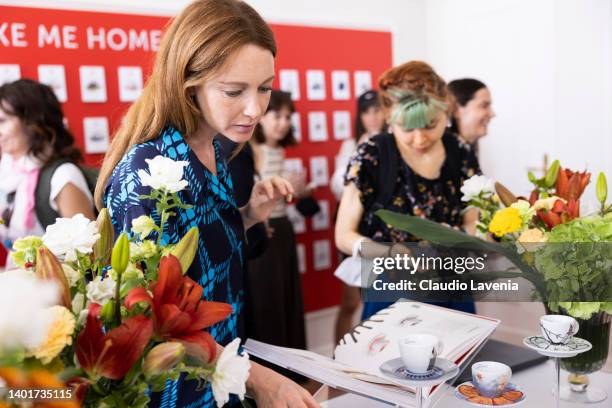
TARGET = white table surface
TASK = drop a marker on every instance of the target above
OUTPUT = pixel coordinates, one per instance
(537, 382)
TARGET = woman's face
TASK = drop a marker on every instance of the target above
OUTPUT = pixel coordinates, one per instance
(421, 140)
(234, 100)
(276, 124)
(13, 139)
(474, 117)
(373, 120)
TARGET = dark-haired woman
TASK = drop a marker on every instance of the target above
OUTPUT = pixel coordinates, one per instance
(32, 136)
(274, 308)
(473, 111)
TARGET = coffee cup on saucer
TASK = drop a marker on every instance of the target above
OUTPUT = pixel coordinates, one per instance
(558, 329)
(490, 378)
(419, 352)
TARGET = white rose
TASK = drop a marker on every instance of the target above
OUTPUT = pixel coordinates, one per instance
(476, 185)
(72, 276)
(164, 174)
(231, 373)
(69, 235)
(143, 225)
(24, 310)
(101, 290)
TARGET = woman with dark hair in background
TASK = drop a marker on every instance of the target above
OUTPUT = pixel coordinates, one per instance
(473, 111)
(34, 142)
(274, 307)
(369, 121)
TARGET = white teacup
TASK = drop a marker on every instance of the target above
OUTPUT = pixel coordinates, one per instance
(558, 329)
(419, 352)
(490, 378)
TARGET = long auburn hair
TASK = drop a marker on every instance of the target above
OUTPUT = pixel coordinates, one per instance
(196, 45)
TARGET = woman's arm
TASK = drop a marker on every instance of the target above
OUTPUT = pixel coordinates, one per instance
(350, 212)
(470, 218)
(337, 180)
(71, 201)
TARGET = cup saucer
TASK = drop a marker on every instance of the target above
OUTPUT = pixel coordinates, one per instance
(511, 397)
(443, 370)
(572, 348)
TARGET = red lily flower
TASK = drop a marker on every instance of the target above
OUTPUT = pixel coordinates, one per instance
(560, 213)
(179, 313)
(570, 185)
(111, 355)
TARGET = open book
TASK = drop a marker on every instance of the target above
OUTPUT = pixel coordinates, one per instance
(360, 353)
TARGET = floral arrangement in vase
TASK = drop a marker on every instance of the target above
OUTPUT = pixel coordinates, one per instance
(116, 318)
(565, 255)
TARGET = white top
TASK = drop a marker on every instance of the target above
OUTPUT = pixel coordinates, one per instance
(273, 164)
(342, 160)
(14, 181)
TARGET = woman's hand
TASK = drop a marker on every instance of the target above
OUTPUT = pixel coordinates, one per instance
(264, 198)
(272, 390)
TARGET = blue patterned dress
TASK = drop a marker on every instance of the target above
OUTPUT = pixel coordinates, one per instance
(219, 262)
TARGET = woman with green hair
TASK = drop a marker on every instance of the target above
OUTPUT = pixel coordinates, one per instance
(431, 164)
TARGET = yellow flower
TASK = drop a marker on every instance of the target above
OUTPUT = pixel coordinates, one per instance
(506, 221)
(60, 335)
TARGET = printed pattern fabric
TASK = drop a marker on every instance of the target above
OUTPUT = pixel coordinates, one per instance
(219, 263)
(435, 199)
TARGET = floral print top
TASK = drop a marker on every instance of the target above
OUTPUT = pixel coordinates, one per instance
(435, 199)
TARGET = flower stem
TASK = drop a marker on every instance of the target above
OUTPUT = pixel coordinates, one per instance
(118, 300)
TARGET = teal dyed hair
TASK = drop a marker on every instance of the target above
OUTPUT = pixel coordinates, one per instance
(415, 110)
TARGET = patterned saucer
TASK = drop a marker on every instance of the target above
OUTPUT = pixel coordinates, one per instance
(573, 347)
(443, 370)
(511, 397)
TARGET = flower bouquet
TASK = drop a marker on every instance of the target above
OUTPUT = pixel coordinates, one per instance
(567, 257)
(116, 320)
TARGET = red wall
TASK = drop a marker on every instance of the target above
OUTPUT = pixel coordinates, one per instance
(300, 48)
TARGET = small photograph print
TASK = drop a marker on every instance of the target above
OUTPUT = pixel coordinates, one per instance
(321, 254)
(55, 77)
(342, 125)
(9, 73)
(340, 86)
(363, 82)
(315, 82)
(95, 131)
(297, 220)
(293, 165)
(130, 83)
(317, 126)
(319, 174)
(297, 126)
(93, 84)
(290, 82)
(301, 254)
(320, 221)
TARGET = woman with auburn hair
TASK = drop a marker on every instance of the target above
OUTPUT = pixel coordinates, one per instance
(431, 167)
(39, 160)
(212, 75)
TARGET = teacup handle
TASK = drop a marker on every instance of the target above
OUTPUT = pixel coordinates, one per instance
(439, 347)
(575, 326)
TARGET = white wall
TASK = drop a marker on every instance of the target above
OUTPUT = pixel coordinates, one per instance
(404, 18)
(548, 64)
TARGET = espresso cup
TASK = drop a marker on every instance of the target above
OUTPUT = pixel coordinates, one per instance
(490, 378)
(558, 329)
(419, 352)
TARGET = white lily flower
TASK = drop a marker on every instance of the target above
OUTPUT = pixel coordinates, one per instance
(164, 174)
(69, 235)
(231, 373)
